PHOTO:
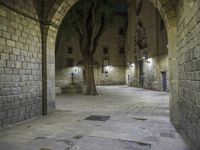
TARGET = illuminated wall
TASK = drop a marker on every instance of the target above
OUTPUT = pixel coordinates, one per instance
(154, 72)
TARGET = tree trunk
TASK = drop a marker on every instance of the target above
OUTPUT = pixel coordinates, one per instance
(89, 77)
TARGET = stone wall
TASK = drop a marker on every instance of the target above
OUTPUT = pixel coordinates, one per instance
(157, 52)
(153, 69)
(21, 59)
(20, 62)
(188, 44)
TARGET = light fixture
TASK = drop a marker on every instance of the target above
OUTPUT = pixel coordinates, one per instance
(132, 65)
(110, 67)
(150, 61)
(143, 58)
(75, 68)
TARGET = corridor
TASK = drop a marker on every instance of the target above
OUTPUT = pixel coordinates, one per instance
(120, 118)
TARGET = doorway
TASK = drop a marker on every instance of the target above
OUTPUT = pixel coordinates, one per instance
(164, 81)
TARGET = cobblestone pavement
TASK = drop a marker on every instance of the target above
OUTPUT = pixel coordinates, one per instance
(139, 120)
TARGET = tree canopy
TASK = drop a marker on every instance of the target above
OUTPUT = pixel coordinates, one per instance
(89, 16)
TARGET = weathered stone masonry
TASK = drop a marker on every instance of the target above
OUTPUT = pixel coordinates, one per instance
(155, 53)
(183, 28)
(23, 50)
(188, 49)
(20, 63)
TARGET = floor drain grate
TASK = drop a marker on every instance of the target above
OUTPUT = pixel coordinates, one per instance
(97, 118)
(77, 137)
(168, 135)
(141, 119)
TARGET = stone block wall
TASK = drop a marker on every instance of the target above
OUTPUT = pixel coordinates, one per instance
(153, 69)
(115, 76)
(188, 44)
(21, 59)
(20, 62)
(64, 77)
(157, 54)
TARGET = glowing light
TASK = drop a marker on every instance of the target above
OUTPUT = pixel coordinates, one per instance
(110, 67)
(143, 58)
(150, 61)
(132, 65)
(76, 68)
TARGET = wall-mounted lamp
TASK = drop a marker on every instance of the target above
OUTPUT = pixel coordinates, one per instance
(132, 65)
(75, 68)
(150, 61)
(110, 67)
(143, 58)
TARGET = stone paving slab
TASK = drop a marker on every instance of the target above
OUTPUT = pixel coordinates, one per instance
(123, 137)
(138, 118)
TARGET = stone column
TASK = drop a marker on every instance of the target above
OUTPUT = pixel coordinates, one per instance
(130, 56)
(48, 57)
(173, 75)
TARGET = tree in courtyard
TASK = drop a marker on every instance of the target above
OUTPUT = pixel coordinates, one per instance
(87, 21)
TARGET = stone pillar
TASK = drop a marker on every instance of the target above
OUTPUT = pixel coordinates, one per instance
(130, 58)
(48, 57)
(173, 76)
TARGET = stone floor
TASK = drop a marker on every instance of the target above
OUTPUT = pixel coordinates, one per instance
(139, 120)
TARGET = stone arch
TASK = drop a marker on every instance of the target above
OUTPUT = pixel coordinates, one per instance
(59, 9)
(54, 16)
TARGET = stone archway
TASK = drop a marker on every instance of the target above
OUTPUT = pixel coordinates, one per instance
(53, 18)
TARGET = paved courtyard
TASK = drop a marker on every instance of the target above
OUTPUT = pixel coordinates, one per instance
(129, 119)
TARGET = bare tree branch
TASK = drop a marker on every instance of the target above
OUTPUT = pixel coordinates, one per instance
(81, 45)
(80, 36)
(91, 21)
(138, 7)
(78, 28)
(99, 33)
(97, 4)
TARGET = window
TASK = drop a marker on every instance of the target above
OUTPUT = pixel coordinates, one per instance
(70, 50)
(121, 31)
(105, 50)
(70, 62)
(162, 25)
(121, 50)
